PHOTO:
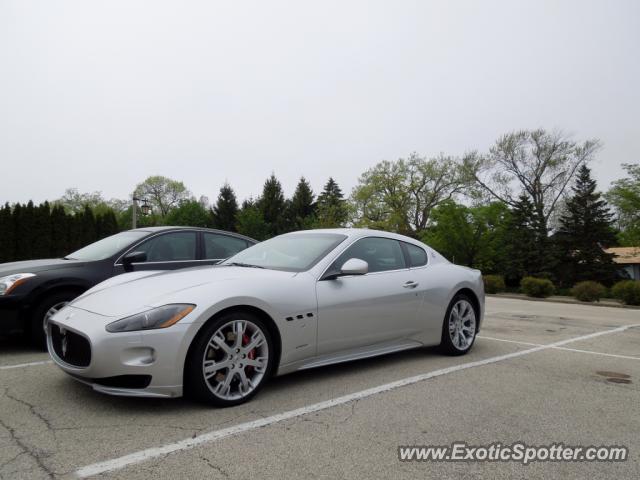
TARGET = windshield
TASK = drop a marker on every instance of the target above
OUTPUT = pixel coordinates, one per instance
(107, 247)
(294, 252)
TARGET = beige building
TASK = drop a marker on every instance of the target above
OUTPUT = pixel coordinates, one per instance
(628, 258)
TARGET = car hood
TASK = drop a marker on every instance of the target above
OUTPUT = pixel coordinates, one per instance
(35, 266)
(138, 291)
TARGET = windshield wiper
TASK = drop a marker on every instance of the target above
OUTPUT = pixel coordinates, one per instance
(240, 264)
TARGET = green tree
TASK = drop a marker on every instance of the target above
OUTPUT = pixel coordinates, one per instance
(7, 234)
(400, 196)
(624, 197)
(536, 162)
(250, 221)
(163, 193)
(74, 202)
(41, 247)
(60, 245)
(87, 224)
(225, 211)
(301, 207)
(106, 224)
(470, 236)
(189, 214)
(331, 209)
(525, 243)
(272, 206)
(585, 229)
(24, 221)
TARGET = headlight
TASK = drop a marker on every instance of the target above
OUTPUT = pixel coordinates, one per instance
(10, 282)
(161, 317)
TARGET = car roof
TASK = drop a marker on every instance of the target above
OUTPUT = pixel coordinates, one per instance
(363, 232)
(201, 229)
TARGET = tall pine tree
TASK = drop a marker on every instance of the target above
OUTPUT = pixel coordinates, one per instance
(272, 206)
(225, 211)
(586, 228)
(332, 209)
(301, 206)
(522, 254)
(7, 234)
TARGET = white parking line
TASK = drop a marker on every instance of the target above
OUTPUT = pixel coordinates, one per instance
(21, 365)
(626, 357)
(155, 452)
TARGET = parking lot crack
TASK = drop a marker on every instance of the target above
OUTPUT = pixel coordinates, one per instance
(26, 449)
(215, 467)
(32, 409)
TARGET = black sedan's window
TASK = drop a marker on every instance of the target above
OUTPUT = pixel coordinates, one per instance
(218, 246)
(170, 247)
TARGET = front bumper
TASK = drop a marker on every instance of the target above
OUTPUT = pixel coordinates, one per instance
(11, 311)
(118, 360)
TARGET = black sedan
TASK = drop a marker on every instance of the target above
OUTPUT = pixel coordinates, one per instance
(32, 291)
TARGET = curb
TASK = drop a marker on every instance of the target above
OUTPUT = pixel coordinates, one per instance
(565, 300)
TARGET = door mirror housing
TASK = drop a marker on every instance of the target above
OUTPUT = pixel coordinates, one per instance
(354, 266)
(134, 257)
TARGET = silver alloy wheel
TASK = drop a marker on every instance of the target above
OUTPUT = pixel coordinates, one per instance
(462, 325)
(235, 359)
(52, 311)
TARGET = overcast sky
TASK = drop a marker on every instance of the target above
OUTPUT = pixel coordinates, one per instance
(100, 95)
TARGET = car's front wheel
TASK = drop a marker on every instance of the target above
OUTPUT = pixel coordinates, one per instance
(230, 360)
(460, 326)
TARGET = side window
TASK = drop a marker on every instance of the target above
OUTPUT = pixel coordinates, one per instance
(170, 247)
(380, 253)
(222, 246)
(417, 256)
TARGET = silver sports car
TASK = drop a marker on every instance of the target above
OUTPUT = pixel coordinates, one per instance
(297, 301)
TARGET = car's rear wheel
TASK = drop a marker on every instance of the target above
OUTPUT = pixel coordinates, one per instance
(460, 326)
(230, 360)
(44, 310)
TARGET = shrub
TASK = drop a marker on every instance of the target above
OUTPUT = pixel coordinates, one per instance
(537, 287)
(628, 291)
(493, 283)
(588, 291)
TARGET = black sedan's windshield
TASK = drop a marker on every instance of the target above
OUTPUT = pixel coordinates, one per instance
(107, 247)
(293, 252)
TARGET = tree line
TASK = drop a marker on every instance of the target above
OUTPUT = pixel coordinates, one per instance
(526, 207)
(29, 231)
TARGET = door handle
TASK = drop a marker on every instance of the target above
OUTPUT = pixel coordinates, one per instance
(410, 284)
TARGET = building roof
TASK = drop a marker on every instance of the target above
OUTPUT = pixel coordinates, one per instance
(625, 255)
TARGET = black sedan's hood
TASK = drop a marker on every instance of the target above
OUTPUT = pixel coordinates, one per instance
(35, 266)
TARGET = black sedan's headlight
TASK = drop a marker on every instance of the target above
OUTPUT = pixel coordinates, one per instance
(160, 317)
(8, 283)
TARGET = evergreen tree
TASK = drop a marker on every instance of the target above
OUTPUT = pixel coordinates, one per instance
(585, 229)
(301, 207)
(59, 232)
(272, 206)
(190, 213)
(520, 242)
(23, 221)
(41, 247)
(332, 209)
(250, 222)
(7, 234)
(225, 211)
(87, 226)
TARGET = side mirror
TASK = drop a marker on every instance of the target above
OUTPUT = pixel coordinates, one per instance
(354, 266)
(134, 257)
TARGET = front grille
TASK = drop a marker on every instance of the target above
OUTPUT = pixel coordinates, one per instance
(70, 347)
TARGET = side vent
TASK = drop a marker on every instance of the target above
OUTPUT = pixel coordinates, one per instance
(299, 316)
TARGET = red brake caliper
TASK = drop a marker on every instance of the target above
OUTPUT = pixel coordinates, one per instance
(251, 355)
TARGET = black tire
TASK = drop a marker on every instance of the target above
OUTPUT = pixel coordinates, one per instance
(195, 384)
(36, 325)
(447, 345)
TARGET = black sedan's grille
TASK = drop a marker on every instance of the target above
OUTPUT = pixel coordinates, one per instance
(70, 347)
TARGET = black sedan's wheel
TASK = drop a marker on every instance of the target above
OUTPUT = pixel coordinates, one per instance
(459, 327)
(231, 360)
(46, 309)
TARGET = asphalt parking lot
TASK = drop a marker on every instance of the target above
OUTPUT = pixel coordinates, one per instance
(540, 373)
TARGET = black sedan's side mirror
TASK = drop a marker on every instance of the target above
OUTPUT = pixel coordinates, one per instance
(134, 257)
